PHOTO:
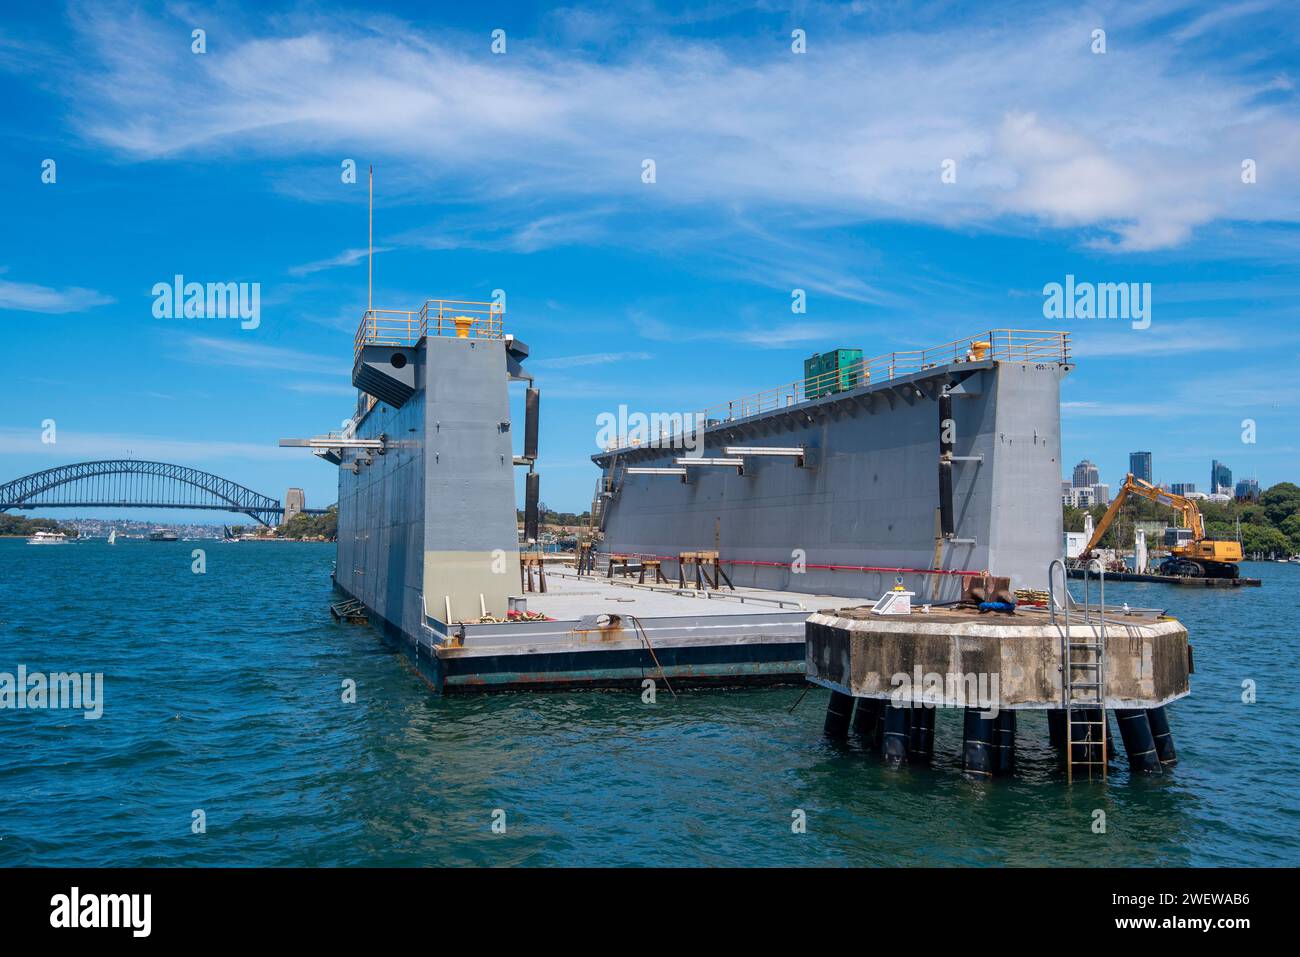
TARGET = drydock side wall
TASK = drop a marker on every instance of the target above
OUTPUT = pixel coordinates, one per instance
(870, 493)
(380, 554)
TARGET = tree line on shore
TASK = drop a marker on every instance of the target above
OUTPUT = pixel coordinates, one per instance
(19, 525)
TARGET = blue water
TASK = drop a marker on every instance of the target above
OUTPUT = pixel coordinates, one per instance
(223, 693)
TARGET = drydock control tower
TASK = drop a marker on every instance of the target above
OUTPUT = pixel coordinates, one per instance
(426, 478)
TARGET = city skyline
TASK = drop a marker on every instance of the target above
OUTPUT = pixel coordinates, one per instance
(1085, 474)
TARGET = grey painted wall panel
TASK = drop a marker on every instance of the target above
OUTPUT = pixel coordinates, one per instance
(469, 497)
(381, 514)
(873, 496)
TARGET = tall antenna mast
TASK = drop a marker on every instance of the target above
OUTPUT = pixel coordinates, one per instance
(370, 249)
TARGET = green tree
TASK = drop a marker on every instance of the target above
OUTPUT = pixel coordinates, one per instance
(1291, 529)
(1264, 540)
(302, 525)
(1280, 502)
(19, 525)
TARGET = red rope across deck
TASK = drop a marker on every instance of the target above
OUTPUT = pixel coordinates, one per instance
(834, 568)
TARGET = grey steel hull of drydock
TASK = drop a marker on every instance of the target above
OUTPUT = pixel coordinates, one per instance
(866, 494)
(428, 543)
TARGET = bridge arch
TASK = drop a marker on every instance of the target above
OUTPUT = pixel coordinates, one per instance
(131, 483)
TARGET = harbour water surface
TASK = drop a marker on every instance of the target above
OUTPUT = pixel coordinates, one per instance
(224, 693)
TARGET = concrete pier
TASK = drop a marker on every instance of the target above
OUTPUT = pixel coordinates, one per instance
(956, 657)
(1015, 659)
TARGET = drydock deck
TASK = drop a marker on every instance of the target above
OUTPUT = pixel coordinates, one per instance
(605, 633)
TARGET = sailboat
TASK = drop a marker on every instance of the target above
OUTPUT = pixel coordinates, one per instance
(112, 536)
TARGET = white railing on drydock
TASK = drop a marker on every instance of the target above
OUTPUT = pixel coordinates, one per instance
(1001, 345)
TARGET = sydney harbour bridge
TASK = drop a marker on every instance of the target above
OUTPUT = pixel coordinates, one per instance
(130, 483)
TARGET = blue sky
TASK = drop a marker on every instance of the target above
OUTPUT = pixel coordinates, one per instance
(522, 172)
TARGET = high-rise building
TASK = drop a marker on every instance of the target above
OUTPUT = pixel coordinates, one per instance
(1183, 488)
(1248, 489)
(1079, 498)
(1220, 478)
(1101, 493)
(1086, 475)
(1139, 463)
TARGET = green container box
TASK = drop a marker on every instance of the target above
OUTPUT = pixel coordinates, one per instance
(826, 373)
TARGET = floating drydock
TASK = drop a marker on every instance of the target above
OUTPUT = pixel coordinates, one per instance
(428, 543)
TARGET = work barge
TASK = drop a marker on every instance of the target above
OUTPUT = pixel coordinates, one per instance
(754, 545)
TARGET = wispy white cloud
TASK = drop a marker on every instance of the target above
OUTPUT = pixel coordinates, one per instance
(349, 257)
(1094, 409)
(1218, 16)
(1249, 392)
(856, 126)
(28, 297)
(768, 335)
(588, 359)
(322, 388)
(254, 354)
(76, 446)
(1168, 337)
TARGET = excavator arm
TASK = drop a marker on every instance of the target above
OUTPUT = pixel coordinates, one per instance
(1184, 506)
(1107, 519)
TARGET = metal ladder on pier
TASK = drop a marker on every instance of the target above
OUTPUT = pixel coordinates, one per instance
(1083, 676)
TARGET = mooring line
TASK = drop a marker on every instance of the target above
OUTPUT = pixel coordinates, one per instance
(650, 648)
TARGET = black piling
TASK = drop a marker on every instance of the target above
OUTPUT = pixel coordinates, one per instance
(838, 712)
(1164, 738)
(1056, 728)
(977, 745)
(867, 721)
(1004, 742)
(1135, 729)
(898, 723)
(920, 745)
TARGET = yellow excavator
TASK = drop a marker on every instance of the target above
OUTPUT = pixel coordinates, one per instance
(1191, 554)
